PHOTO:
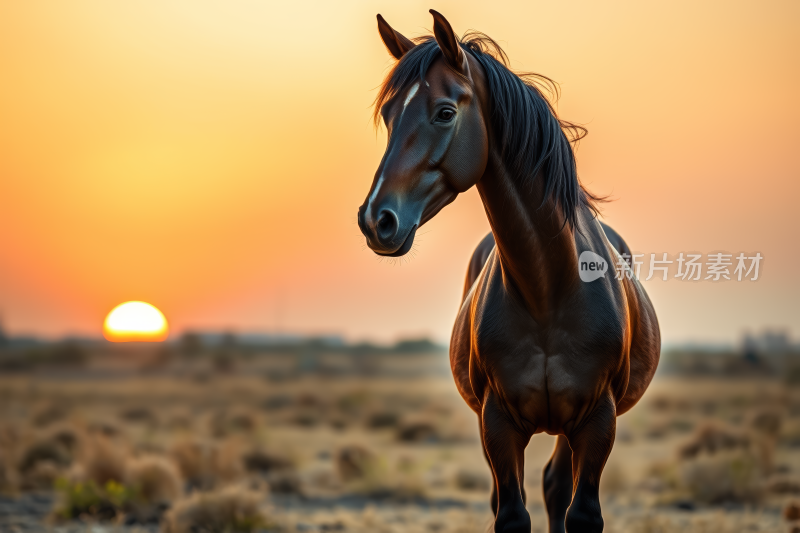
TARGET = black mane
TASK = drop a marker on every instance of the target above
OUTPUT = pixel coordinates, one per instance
(529, 135)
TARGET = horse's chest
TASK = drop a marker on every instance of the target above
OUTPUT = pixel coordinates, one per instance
(541, 372)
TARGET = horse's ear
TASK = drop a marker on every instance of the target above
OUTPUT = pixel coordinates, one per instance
(448, 43)
(395, 43)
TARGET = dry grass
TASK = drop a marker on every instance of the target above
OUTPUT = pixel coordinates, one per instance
(206, 464)
(229, 510)
(726, 476)
(9, 480)
(104, 461)
(721, 463)
(701, 522)
(391, 441)
(239, 420)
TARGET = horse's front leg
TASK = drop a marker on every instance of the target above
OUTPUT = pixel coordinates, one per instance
(504, 443)
(591, 444)
(557, 484)
(493, 498)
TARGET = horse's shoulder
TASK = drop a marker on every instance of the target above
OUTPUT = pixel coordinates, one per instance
(461, 350)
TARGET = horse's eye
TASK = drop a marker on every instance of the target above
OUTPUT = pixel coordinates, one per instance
(445, 115)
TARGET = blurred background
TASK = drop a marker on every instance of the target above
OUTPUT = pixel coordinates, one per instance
(209, 157)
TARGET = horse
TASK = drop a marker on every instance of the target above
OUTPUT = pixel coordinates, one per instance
(534, 349)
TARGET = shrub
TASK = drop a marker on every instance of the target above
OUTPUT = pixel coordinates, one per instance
(42, 475)
(721, 464)
(355, 462)
(767, 423)
(88, 498)
(48, 413)
(154, 479)
(44, 450)
(284, 482)
(418, 432)
(104, 428)
(230, 510)
(104, 462)
(469, 480)
(138, 414)
(783, 485)
(264, 462)
(68, 437)
(278, 471)
(726, 476)
(193, 460)
(381, 420)
(711, 438)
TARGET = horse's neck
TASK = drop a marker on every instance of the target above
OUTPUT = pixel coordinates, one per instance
(536, 250)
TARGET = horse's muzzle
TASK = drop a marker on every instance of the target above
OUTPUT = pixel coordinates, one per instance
(405, 247)
(383, 236)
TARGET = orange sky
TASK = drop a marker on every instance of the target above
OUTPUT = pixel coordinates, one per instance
(208, 157)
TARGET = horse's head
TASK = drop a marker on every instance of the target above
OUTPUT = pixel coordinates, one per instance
(437, 136)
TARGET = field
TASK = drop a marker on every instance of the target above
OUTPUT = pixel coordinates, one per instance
(356, 443)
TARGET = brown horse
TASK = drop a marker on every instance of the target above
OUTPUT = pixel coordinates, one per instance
(534, 348)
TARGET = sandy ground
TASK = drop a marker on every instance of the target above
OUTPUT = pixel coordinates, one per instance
(395, 454)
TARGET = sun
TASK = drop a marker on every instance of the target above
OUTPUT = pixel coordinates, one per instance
(135, 321)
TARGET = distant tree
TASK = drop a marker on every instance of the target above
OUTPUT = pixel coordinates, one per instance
(3, 337)
(225, 358)
(228, 341)
(416, 346)
(69, 353)
(191, 344)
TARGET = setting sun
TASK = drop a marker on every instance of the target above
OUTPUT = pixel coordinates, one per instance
(135, 321)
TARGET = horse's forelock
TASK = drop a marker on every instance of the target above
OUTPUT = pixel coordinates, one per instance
(410, 68)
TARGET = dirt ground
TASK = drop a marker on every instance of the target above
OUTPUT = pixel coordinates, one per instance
(149, 452)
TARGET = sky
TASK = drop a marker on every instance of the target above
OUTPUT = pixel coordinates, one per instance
(209, 157)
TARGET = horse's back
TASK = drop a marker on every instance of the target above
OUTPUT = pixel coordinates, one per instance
(617, 241)
(476, 262)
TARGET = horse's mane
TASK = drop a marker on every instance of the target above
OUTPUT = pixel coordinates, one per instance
(530, 136)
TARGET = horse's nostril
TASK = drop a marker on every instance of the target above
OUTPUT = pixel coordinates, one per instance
(387, 225)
